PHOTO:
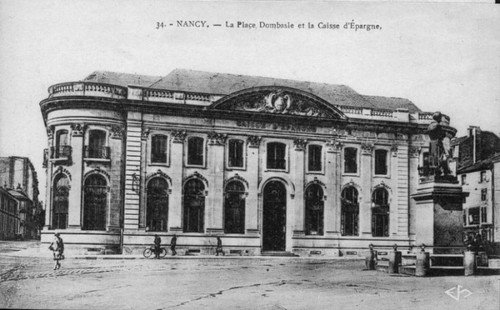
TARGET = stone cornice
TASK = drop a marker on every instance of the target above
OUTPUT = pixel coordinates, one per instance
(123, 105)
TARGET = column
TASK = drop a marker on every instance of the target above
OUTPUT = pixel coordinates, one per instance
(333, 188)
(297, 172)
(215, 206)
(366, 173)
(252, 201)
(75, 193)
(177, 169)
(49, 185)
(133, 171)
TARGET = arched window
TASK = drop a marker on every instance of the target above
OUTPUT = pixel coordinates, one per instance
(349, 212)
(60, 193)
(380, 213)
(314, 210)
(234, 208)
(157, 204)
(276, 155)
(195, 151)
(159, 149)
(95, 203)
(194, 206)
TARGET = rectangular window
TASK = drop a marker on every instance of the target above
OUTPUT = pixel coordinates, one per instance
(484, 216)
(483, 177)
(464, 179)
(473, 216)
(484, 194)
(159, 149)
(195, 151)
(350, 160)
(235, 153)
(97, 145)
(381, 162)
(315, 158)
(276, 156)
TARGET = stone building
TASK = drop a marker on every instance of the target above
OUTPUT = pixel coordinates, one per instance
(19, 182)
(477, 159)
(267, 164)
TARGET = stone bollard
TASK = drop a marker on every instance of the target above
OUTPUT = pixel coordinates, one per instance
(422, 263)
(469, 263)
(370, 258)
(394, 260)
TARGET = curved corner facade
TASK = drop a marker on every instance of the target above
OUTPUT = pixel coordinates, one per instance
(266, 164)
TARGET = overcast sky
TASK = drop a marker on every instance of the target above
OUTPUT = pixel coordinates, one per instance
(440, 56)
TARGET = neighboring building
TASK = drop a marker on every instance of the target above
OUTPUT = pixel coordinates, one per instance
(19, 180)
(267, 164)
(477, 159)
(10, 222)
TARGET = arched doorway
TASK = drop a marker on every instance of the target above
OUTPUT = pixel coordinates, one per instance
(95, 203)
(234, 208)
(314, 210)
(157, 204)
(274, 217)
(60, 202)
(194, 206)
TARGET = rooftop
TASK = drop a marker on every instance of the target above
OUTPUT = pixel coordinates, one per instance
(224, 84)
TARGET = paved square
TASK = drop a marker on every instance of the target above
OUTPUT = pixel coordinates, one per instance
(231, 283)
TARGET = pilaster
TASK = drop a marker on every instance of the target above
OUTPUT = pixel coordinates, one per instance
(366, 174)
(75, 193)
(216, 159)
(252, 201)
(177, 169)
(333, 188)
(133, 170)
(297, 170)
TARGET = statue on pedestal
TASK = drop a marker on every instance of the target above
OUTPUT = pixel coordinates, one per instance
(437, 164)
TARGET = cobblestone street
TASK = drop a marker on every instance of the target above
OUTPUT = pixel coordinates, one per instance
(229, 283)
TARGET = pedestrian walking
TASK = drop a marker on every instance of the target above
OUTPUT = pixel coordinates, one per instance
(157, 246)
(218, 249)
(57, 248)
(173, 244)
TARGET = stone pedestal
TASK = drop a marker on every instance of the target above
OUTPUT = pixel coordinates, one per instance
(438, 214)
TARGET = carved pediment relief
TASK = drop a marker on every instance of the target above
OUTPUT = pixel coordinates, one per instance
(278, 100)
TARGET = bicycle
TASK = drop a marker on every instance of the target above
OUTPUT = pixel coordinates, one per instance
(149, 252)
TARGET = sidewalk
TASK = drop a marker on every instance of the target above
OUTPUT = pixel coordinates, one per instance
(41, 251)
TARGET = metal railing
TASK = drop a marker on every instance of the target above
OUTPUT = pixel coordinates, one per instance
(96, 152)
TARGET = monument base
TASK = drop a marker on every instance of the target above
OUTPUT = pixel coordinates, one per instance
(439, 215)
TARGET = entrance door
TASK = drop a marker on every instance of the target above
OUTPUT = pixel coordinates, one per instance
(274, 217)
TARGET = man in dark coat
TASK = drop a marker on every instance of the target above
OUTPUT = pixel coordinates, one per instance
(173, 243)
(218, 249)
(157, 246)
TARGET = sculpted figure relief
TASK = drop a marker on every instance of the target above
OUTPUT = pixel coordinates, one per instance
(280, 102)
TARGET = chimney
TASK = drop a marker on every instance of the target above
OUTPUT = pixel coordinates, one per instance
(474, 132)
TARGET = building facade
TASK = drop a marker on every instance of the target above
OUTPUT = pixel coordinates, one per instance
(19, 182)
(267, 164)
(477, 158)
